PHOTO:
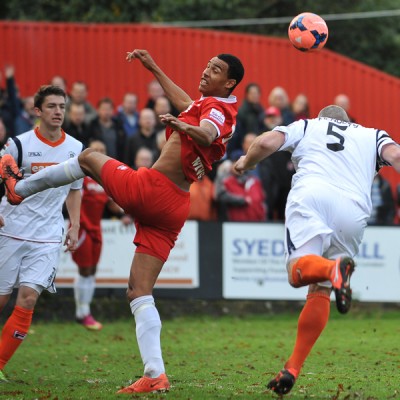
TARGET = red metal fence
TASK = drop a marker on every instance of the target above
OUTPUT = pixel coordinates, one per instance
(95, 53)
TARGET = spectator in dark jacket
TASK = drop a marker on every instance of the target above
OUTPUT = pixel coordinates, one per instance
(76, 125)
(146, 137)
(249, 118)
(128, 115)
(106, 129)
(10, 102)
(383, 206)
(26, 118)
(79, 94)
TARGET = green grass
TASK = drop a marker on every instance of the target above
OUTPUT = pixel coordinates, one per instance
(357, 357)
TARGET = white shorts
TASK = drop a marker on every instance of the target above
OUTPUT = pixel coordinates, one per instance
(322, 216)
(24, 263)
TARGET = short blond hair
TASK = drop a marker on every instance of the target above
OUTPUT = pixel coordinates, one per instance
(334, 112)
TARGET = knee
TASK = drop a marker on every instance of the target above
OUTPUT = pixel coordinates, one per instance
(133, 292)
(84, 157)
(27, 302)
(3, 301)
(85, 272)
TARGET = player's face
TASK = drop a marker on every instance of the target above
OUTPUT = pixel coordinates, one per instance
(214, 81)
(52, 112)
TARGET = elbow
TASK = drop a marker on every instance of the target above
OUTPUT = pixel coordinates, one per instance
(395, 162)
(208, 141)
(205, 140)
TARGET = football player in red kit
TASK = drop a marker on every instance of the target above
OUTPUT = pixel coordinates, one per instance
(87, 254)
(157, 198)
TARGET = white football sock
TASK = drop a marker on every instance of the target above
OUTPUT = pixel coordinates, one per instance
(148, 331)
(50, 177)
(83, 291)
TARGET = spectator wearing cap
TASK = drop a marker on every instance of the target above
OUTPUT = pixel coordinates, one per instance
(272, 118)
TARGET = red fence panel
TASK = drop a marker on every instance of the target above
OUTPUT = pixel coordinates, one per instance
(95, 53)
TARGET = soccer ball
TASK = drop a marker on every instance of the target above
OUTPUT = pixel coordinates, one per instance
(308, 32)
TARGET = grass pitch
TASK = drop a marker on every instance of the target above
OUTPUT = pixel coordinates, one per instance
(357, 357)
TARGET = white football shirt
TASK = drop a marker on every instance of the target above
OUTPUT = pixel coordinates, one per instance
(39, 217)
(342, 154)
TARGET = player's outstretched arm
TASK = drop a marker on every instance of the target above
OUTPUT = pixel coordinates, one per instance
(177, 96)
(262, 147)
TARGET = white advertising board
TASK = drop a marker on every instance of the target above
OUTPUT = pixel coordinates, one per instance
(254, 266)
(254, 263)
(180, 271)
(377, 274)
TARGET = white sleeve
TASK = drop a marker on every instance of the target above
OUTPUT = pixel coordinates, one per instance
(293, 134)
(10, 148)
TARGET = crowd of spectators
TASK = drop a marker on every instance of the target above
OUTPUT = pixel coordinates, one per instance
(136, 136)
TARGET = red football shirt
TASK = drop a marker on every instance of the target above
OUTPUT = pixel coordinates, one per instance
(196, 159)
(94, 200)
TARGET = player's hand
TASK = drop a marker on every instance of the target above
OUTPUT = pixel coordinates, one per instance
(239, 166)
(126, 220)
(144, 57)
(173, 122)
(71, 239)
(1, 221)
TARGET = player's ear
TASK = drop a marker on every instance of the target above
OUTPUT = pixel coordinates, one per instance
(230, 83)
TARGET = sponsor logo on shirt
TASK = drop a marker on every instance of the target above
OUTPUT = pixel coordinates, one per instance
(122, 167)
(198, 167)
(34, 154)
(217, 116)
(36, 167)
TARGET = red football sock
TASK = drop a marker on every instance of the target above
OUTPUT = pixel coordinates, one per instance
(311, 269)
(14, 332)
(312, 321)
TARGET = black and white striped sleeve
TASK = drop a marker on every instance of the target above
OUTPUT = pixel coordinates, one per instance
(382, 139)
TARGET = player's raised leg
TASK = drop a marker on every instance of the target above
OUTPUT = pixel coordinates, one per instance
(88, 162)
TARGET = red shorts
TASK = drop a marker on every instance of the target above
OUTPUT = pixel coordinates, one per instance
(89, 248)
(159, 207)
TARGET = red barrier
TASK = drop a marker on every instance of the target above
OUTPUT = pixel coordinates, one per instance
(95, 53)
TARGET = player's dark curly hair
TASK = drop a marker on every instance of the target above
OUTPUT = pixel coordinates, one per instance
(47, 90)
(235, 70)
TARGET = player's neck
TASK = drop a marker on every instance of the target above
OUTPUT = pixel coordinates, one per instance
(49, 133)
